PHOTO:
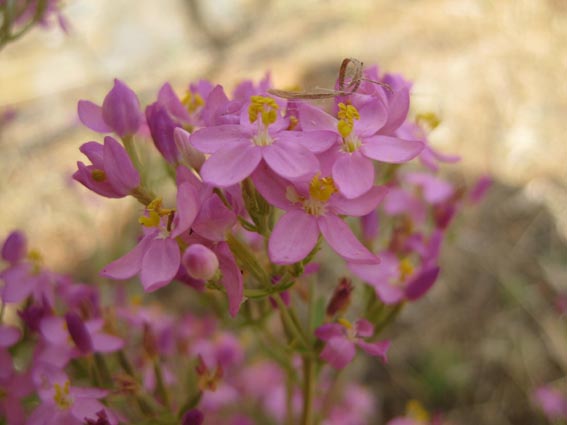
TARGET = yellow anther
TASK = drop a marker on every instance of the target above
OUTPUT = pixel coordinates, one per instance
(151, 220)
(347, 114)
(136, 300)
(293, 121)
(430, 119)
(406, 269)
(192, 101)
(98, 175)
(322, 189)
(61, 396)
(264, 106)
(35, 256)
(345, 323)
(415, 410)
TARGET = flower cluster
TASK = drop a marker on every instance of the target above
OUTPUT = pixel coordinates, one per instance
(262, 185)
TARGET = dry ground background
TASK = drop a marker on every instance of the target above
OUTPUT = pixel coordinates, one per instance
(495, 71)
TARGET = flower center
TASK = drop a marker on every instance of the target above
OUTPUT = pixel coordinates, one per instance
(320, 190)
(192, 101)
(98, 175)
(349, 328)
(155, 212)
(347, 114)
(61, 397)
(266, 109)
(406, 269)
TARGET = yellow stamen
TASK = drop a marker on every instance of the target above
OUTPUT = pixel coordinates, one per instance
(293, 121)
(345, 323)
(322, 189)
(155, 212)
(406, 269)
(151, 220)
(264, 106)
(61, 396)
(347, 114)
(415, 410)
(430, 119)
(192, 101)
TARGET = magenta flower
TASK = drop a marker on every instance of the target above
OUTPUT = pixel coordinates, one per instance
(361, 141)
(237, 150)
(111, 174)
(120, 112)
(312, 210)
(552, 402)
(64, 404)
(157, 256)
(343, 337)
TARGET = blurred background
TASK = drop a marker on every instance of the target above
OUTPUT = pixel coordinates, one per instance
(494, 72)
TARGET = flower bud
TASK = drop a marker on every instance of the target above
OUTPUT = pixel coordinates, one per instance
(200, 262)
(79, 333)
(193, 417)
(187, 154)
(121, 110)
(14, 248)
(341, 297)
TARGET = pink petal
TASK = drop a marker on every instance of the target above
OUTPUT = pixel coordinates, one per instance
(364, 328)
(373, 116)
(104, 343)
(329, 330)
(271, 186)
(420, 284)
(289, 160)
(338, 352)
(118, 167)
(313, 118)
(54, 330)
(360, 206)
(391, 149)
(231, 164)
(435, 189)
(353, 174)
(398, 107)
(18, 283)
(211, 139)
(186, 209)
(316, 141)
(9, 335)
(339, 236)
(130, 264)
(293, 237)
(231, 278)
(90, 115)
(160, 264)
(214, 219)
(376, 349)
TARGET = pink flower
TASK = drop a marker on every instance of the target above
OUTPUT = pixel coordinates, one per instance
(342, 338)
(361, 141)
(120, 112)
(552, 402)
(313, 209)
(111, 173)
(237, 150)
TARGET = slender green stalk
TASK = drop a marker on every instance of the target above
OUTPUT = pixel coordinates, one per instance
(309, 378)
(161, 388)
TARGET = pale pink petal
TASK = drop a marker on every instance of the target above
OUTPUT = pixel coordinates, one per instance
(231, 164)
(360, 206)
(186, 209)
(353, 174)
(388, 294)
(293, 237)
(338, 352)
(160, 264)
(90, 115)
(316, 141)
(373, 116)
(214, 219)
(435, 189)
(54, 330)
(329, 330)
(211, 139)
(376, 349)
(313, 118)
(398, 106)
(339, 236)
(18, 283)
(391, 149)
(130, 264)
(290, 161)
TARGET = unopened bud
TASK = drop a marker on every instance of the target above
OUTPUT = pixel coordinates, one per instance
(200, 262)
(150, 342)
(193, 417)
(341, 297)
(79, 333)
(187, 154)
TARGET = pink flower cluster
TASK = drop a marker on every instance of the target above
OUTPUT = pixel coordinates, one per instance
(261, 185)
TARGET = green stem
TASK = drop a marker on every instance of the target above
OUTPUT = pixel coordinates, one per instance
(161, 389)
(309, 378)
(289, 325)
